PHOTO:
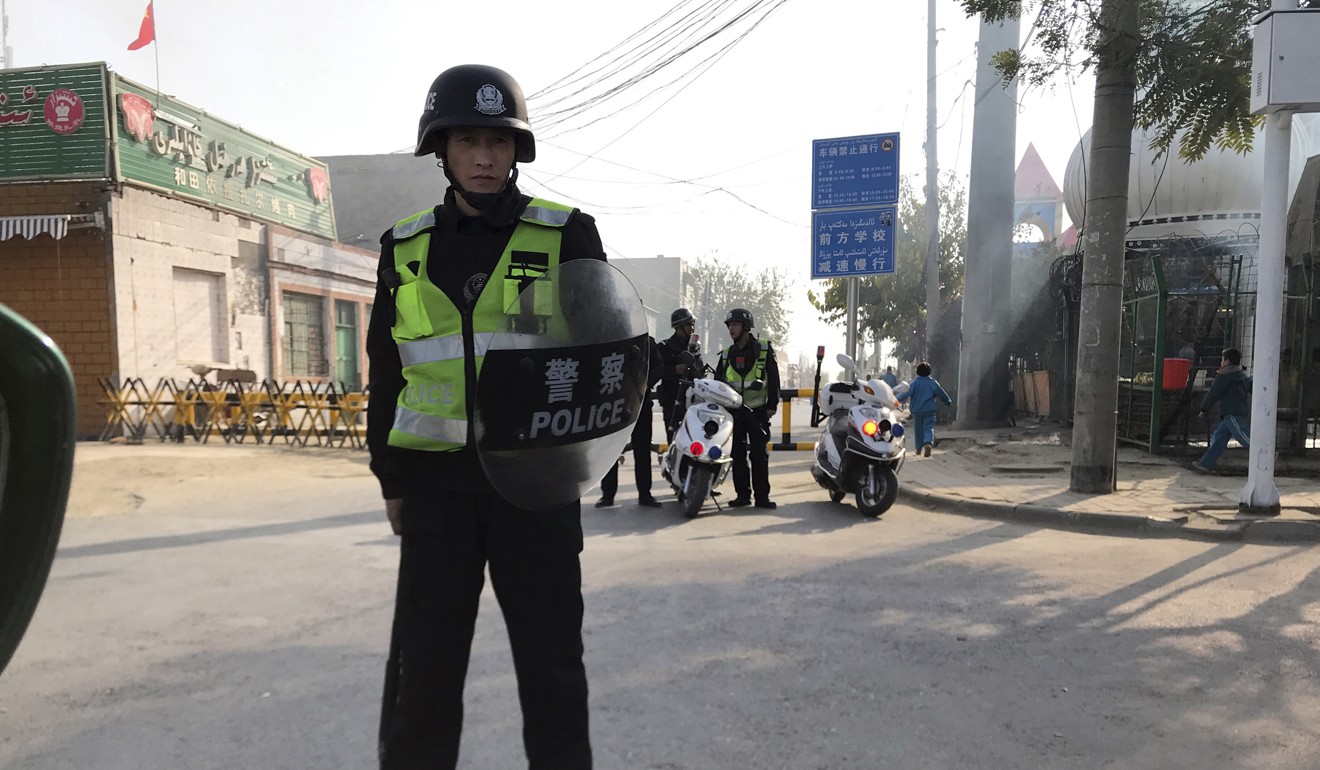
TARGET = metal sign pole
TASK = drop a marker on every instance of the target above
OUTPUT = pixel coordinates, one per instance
(852, 319)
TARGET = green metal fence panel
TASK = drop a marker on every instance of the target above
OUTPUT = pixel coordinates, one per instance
(1184, 298)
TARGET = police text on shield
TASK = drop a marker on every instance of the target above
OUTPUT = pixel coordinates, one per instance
(582, 419)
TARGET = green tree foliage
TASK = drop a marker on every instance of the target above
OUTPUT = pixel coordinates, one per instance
(1193, 63)
(765, 293)
(892, 306)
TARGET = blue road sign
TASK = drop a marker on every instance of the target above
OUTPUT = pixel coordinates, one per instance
(854, 171)
(849, 243)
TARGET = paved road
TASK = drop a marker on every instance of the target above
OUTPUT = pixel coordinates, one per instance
(238, 618)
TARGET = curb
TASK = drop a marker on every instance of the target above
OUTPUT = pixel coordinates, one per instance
(1261, 531)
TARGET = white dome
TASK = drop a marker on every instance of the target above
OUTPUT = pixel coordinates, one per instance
(1222, 182)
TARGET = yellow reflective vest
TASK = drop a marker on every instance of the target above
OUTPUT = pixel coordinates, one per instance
(742, 382)
(440, 346)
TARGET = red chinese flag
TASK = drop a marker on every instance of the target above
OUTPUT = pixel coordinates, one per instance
(147, 33)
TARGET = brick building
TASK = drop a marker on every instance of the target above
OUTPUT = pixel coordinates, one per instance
(147, 237)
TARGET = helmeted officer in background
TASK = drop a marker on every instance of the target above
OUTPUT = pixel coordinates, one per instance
(445, 277)
(680, 362)
(640, 443)
(746, 363)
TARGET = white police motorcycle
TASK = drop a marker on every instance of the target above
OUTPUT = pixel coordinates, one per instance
(861, 448)
(698, 459)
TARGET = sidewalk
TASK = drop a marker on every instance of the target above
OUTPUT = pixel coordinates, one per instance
(1021, 473)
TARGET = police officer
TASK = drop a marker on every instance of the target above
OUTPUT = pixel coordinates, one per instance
(679, 363)
(640, 443)
(444, 279)
(749, 366)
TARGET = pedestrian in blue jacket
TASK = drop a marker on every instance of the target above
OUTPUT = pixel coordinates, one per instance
(1232, 390)
(925, 394)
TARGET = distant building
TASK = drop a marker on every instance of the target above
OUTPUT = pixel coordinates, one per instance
(147, 236)
(372, 192)
(1038, 201)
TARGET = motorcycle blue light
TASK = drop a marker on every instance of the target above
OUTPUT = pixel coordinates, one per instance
(897, 430)
(715, 453)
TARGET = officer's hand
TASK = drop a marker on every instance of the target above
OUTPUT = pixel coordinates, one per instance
(394, 512)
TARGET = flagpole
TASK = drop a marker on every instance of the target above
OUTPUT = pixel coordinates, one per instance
(156, 46)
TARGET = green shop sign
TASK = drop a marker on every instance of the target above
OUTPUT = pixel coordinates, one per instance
(173, 148)
(53, 123)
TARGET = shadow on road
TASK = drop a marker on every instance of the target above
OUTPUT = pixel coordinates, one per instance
(220, 535)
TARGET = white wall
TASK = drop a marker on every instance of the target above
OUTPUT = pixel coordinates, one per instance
(152, 235)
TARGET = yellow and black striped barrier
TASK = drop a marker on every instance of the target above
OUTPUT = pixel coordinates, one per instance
(787, 444)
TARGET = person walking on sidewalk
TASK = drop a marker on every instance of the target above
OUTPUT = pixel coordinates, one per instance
(749, 366)
(1232, 391)
(640, 442)
(925, 395)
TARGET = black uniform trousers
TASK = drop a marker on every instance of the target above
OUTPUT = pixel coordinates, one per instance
(449, 537)
(641, 452)
(751, 434)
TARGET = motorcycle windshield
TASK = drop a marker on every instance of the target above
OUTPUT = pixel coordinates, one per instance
(561, 384)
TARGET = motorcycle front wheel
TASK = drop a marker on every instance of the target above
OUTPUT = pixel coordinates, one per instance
(875, 499)
(698, 489)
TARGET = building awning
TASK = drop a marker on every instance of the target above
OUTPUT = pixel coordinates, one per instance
(55, 225)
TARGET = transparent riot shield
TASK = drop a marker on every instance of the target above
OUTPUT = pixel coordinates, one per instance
(561, 383)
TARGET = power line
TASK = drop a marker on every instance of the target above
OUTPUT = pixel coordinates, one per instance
(713, 60)
(683, 48)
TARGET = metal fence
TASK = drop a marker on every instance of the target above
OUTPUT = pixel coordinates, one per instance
(295, 413)
(1184, 300)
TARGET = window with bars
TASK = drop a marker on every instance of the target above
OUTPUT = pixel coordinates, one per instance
(304, 336)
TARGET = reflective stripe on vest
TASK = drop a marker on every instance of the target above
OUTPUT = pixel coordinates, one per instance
(409, 227)
(428, 426)
(541, 215)
(433, 408)
(425, 351)
(739, 382)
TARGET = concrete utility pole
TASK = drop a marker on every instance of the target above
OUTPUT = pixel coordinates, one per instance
(932, 191)
(988, 280)
(1261, 495)
(1104, 231)
(850, 337)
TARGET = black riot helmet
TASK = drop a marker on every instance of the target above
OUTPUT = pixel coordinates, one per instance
(475, 95)
(742, 316)
(680, 317)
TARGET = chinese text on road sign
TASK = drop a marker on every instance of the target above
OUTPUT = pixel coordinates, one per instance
(854, 171)
(848, 243)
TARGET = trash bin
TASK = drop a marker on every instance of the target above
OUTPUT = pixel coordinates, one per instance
(1176, 371)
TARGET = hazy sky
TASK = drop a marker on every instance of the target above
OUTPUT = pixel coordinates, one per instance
(335, 77)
